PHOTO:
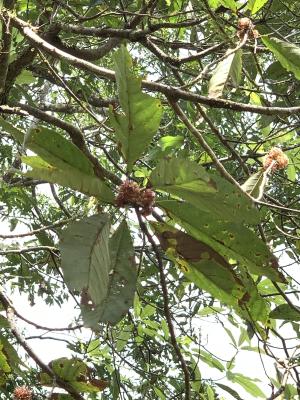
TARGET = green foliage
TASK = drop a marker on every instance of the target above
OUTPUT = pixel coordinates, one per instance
(133, 119)
(286, 53)
(229, 68)
(105, 271)
(231, 240)
(206, 191)
(141, 116)
(255, 184)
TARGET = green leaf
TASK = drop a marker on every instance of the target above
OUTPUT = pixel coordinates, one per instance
(159, 393)
(236, 68)
(255, 184)
(138, 123)
(231, 4)
(214, 3)
(231, 240)
(227, 389)
(121, 284)
(60, 162)
(208, 192)
(105, 270)
(171, 141)
(4, 366)
(226, 3)
(285, 312)
(181, 177)
(26, 77)
(210, 393)
(85, 256)
(229, 67)
(212, 273)
(288, 54)
(70, 177)
(53, 148)
(246, 383)
(4, 322)
(76, 373)
(200, 264)
(210, 360)
(255, 5)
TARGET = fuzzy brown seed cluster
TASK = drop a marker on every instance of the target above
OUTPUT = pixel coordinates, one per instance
(245, 25)
(22, 393)
(131, 194)
(276, 159)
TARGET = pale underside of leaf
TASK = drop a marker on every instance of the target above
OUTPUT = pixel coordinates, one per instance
(229, 67)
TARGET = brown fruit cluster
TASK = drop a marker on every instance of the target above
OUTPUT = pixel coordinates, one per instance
(275, 159)
(131, 194)
(245, 25)
(22, 393)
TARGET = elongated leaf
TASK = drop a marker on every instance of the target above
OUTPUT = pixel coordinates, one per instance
(181, 178)
(256, 5)
(208, 192)
(76, 373)
(246, 383)
(229, 67)
(231, 4)
(212, 273)
(85, 256)
(232, 392)
(288, 54)
(60, 162)
(122, 281)
(255, 184)
(200, 264)
(52, 147)
(229, 239)
(103, 270)
(212, 361)
(140, 119)
(285, 312)
(236, 68)
(70, 177)
(4, 366)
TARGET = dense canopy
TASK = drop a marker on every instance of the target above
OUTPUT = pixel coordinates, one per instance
(150, 158)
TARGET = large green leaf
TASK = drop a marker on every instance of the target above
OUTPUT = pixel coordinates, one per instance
(103, 270)
(286, 312)
(230, 67)
(255, 184)
(256, 5)
(122, 281)
(246, 383)
(212, 273)
(231, 240)
(70, 177)
(288, 54)
(76, 373)
(85, 256)
(206, 191)
(52, 147)
(60, 162)
(232, 392)
(138, 123)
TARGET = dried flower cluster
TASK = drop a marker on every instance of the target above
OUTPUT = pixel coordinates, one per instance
(276, 159)
(130, 193)
(246, 25)
(22, 393)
